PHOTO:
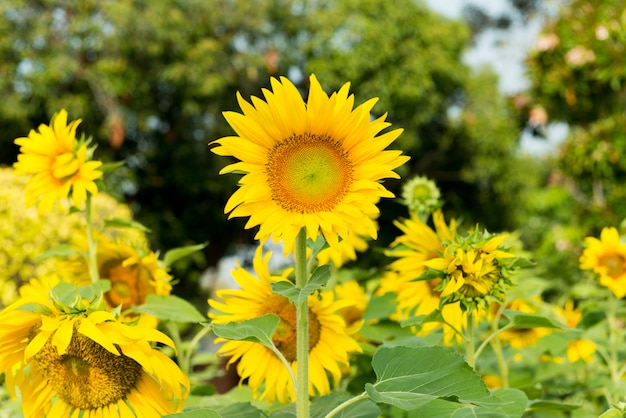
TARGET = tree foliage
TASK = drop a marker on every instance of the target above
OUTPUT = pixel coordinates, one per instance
(150, 80)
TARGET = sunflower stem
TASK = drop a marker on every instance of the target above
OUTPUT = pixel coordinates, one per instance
(302, 331)
(470, 355)
(91, 243)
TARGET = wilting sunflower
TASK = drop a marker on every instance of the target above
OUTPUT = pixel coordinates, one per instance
(329, 342)
(314, 165)
(59, 164)
(607, 258)
(76, 360)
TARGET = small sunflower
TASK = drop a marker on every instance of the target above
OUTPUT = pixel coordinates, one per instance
(329, 341)
(352, 314)
(76, 360)
(315, 165)
(59, 164)
(607, 258)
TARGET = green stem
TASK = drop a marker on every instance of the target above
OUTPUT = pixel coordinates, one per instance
(470, 355)
(92, 259)
(302, 331)
(191, 349)
(346, 404)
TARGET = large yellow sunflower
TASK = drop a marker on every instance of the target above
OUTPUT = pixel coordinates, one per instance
(59, 164)
(329, 342)
(607, 258)
(314, 165)
(68, 361)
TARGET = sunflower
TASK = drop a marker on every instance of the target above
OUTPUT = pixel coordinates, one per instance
(59, 164)
(607, 258)
(315, 165)
(473, 270)
(329, 342)
(76, 360)
(133, 273)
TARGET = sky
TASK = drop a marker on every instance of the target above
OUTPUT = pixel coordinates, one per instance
(504, 51)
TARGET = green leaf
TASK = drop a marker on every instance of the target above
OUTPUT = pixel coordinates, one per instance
(549, 405)
(111, 166)
(176, 254)
(63, 250)
(502, 403)
(430, 274)
(257, 330)
(612, 413)
(170, 308)
(409, 377)
(318, 279)
(125, 223)
(522, 320)
(380, 307)
(196, 413)
(66, 292)
(437, 382)
(316, 246)
(419, 320)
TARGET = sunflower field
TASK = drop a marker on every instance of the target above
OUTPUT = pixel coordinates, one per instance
(316, 211)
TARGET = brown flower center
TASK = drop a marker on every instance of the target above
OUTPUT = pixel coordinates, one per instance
(88, 376)
(129, 284)
(614, 265)
(284, 337)
(308, 173)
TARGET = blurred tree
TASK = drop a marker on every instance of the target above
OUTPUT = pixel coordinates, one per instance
(578, 77)
(150, 80)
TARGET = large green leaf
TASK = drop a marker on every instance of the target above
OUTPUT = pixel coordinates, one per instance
(503, 403)
(170, 308)
(436, 378)
(257, 330)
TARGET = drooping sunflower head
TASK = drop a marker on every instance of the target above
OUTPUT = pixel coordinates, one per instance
(474, 270)
(607, 258)
(329, 340)
(316, 165)
(67, 359)
(60, 165)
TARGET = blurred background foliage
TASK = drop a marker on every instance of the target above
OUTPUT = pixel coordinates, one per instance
(150, 79)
